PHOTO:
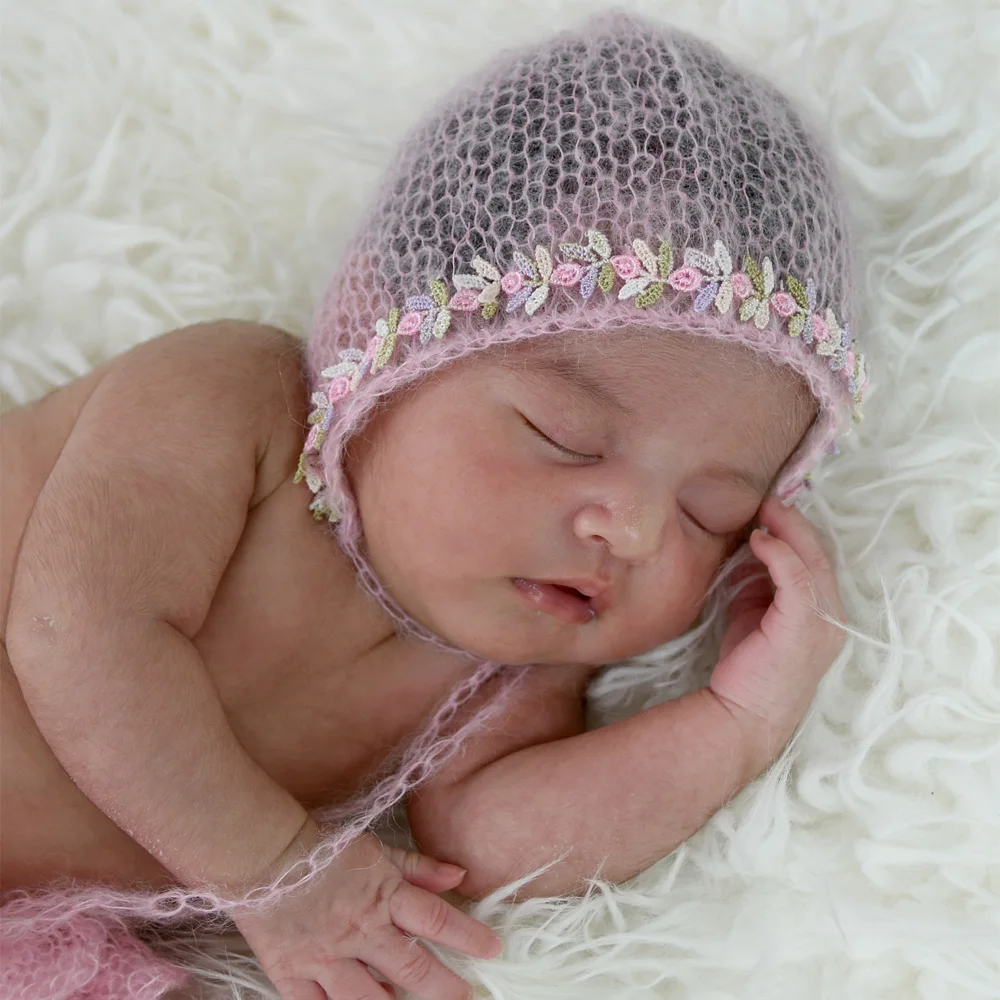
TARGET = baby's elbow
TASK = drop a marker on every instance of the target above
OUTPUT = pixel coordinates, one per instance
(445, 829)
(497, 848)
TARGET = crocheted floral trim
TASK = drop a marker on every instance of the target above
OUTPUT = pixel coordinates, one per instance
(644, 275)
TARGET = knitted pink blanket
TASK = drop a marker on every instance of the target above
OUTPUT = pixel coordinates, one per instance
(59, 945)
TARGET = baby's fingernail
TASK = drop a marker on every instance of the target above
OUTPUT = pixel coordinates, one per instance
(497, 947)
(451, 871)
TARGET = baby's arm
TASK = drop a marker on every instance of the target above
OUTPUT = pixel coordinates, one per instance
(118, 567)
(617, 798)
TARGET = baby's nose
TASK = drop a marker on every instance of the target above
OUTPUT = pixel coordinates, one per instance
(631, 528)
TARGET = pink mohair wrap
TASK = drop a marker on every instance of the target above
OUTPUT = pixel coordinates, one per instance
(622, 174)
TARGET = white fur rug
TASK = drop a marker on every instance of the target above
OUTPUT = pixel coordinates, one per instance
(173, 162)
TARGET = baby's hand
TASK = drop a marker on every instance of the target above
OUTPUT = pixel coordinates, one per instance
(360, 909)
(776, 649)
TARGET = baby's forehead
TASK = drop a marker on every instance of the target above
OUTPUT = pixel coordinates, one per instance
(634, 361)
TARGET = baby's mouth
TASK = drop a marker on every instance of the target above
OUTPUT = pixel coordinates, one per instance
(559, 600)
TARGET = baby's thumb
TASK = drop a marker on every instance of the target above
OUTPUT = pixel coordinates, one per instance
(425, 872)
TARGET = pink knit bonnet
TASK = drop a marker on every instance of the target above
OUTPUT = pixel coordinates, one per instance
(620, 174)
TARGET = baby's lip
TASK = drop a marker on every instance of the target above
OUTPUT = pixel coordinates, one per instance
(598, 592)
(564, 603)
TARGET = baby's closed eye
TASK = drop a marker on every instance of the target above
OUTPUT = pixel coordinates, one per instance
(553, 438)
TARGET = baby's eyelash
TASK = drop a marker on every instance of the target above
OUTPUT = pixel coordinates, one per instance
(556, 444)
(701, 527)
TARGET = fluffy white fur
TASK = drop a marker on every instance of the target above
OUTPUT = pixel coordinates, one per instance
(174, 162)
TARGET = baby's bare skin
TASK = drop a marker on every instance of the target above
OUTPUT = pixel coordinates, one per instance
(301, 661)
(197, 653)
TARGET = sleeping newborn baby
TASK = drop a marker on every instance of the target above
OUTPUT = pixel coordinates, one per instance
(590, 335)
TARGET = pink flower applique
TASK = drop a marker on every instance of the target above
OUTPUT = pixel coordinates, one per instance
(685, 279)
(464, 300)
(820, 330)
(566, 275)
(783, 304)
(742, 285)
(511, 282)
(626, 266)
(337, 389)
(409, 325)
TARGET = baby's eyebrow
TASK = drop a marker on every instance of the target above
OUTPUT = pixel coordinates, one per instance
(579, 379)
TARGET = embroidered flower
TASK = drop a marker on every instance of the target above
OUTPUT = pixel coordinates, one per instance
(820, 329)
(353, 364)
(742, 285)
(837, 343)
(626, 266)
(801, 324)
(486, 281)
(534, 288)
(566, 275)
(647, 287)
(437, 315)
(645, 277)
(719, 270)
(464, 300)
(597, 254)
(783, 304)
(758, 305)
(384, 342)
(410, 324)
(685, 279)
(511, 282)
(337, 389)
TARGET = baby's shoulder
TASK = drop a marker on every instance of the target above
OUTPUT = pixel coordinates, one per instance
(238, 378)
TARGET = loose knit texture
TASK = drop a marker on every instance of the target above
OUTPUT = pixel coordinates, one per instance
(623, 127)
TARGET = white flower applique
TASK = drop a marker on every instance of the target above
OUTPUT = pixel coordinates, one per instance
(718, 270)
(479, 289)
(758, 303)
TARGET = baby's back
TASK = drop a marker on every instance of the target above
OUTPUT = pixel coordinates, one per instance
(301, 662)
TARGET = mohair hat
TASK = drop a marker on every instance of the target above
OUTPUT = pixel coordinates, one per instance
(620, 174)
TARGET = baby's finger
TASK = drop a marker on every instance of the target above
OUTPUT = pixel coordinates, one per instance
(427, 916)
(791, 612)
(435, 876)
(408, 963)
(348, 979)
(793, 528)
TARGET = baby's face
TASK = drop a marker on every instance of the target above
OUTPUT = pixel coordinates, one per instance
(570, 500)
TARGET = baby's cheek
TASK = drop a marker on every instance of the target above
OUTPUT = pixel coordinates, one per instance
(666, 604)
